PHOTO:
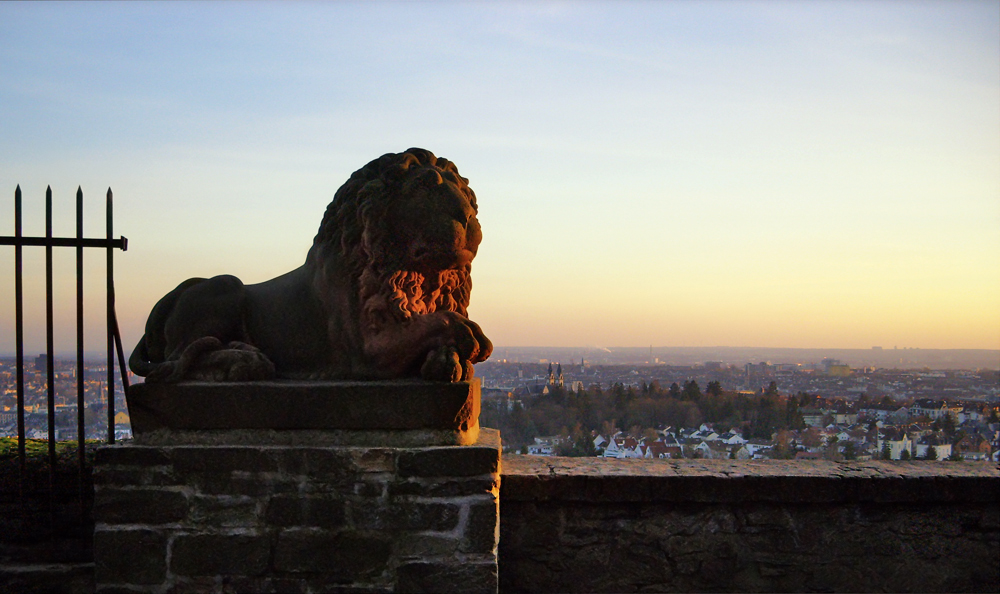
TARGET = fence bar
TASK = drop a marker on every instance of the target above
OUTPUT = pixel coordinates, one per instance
(50, 372)
(19, 337)
(120, 243)
(112, 323)
(81, 429)
(121, 357)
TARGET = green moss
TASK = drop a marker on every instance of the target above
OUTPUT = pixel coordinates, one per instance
(38, 449)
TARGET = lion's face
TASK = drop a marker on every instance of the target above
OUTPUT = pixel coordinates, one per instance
(433, 222)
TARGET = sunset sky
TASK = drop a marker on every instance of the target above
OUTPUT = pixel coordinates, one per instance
(786, 174)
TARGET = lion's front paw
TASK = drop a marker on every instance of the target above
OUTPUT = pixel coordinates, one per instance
(466, 337)
(445, 365)
(442, 365)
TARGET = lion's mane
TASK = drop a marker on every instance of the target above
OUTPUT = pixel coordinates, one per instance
(353, 235)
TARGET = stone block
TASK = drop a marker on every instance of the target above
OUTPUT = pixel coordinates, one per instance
(374, 459)
(345, 556)
(296, 510)
(216, 483)
(445, 578)
(226, 511)
(196, 459)
(457, 461)
(423, 546)
(219, 554)
(130, 455)
(323, 464)
(130, 556)
(483, 530)
(444, 487)
(400, 515)
(139, 506)
(152, 476)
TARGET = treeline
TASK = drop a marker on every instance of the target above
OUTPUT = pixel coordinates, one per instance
(638, 410)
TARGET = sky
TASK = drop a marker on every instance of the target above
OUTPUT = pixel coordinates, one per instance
(783, 174)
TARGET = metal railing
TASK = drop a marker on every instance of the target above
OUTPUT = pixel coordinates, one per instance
(109, 243)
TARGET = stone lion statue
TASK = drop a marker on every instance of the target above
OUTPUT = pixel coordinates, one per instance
(382, 294)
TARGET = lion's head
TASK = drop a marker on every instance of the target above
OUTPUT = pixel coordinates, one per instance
(405, 225)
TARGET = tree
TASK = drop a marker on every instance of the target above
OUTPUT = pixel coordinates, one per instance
(850, 452)
(905, 455)
(931, 453)
(691, 391)
(811, 438)
(793, 417)
(714, 388)
(772, 389)
(886, 451)
(674, 391)
(948, 425)
(784, 445)
(832, 452)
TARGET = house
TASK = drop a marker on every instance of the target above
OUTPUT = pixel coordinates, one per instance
(711, 450)
(740, 452)
(898, 417)
(898, 443)
(843, 415)
(731, 438)
(812, 417)
(546, 446)
(942, 449)
(756, 445)
(973, 447)
(933, 409)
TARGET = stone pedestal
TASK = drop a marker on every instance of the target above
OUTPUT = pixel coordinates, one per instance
(294, 506)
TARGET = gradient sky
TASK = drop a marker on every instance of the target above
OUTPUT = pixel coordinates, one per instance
(793, 174)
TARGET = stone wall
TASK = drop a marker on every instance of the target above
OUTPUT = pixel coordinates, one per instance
(566, 524)
(595, 525)
(262, 518)
(45, 529)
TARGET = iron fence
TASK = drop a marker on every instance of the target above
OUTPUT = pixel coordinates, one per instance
(110, 244)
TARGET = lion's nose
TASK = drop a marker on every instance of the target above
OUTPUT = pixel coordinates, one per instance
(460, 210)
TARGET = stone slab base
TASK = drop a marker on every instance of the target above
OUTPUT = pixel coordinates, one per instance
(283, 518)
(398, 413)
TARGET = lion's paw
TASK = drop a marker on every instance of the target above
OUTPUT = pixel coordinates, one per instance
(442, 365)
(207, 359)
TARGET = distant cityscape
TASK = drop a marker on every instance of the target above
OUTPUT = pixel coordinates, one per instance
(36, 400)
(758, 409)
(892, 357)
(708, 402)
